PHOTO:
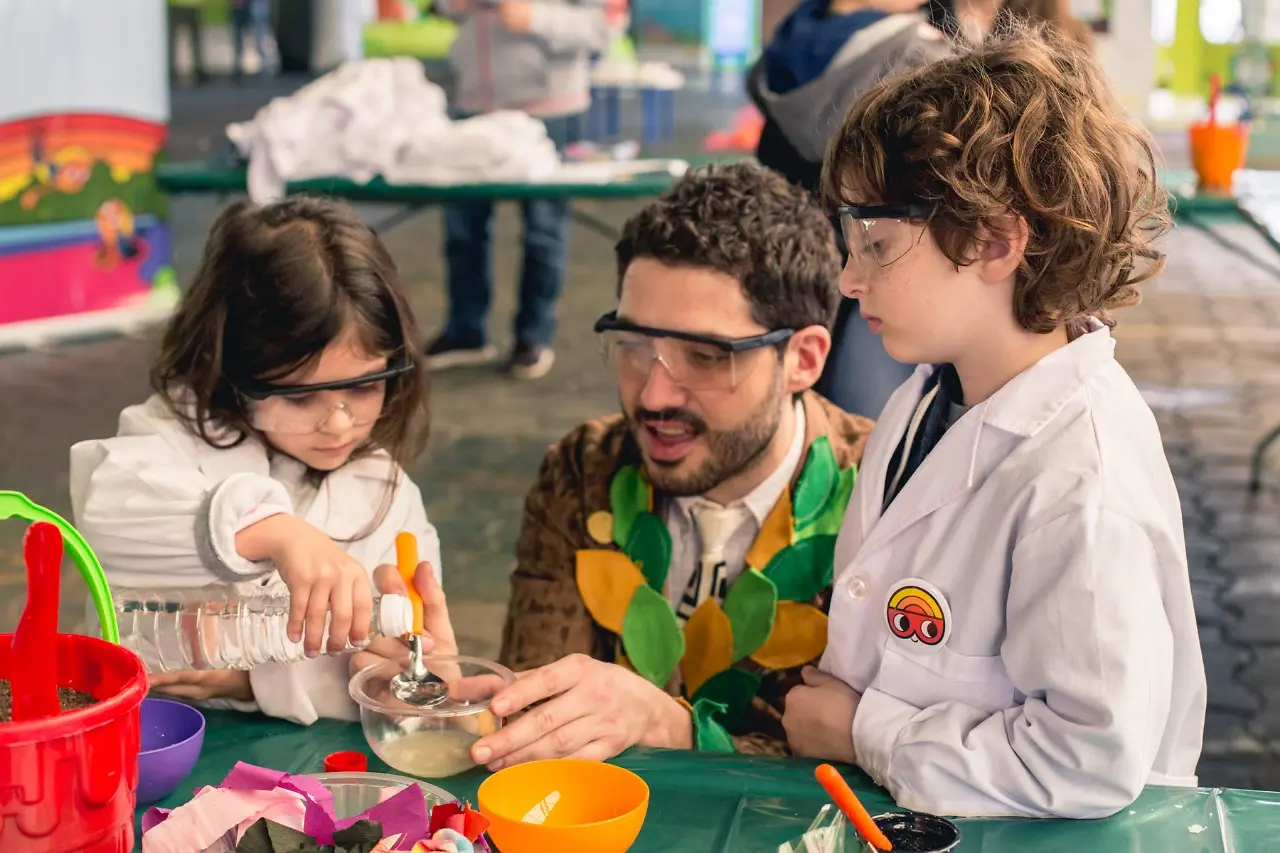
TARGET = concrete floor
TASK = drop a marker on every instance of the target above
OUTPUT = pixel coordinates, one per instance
(1203, 345)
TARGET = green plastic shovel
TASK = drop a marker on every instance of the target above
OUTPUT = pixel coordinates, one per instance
(18, 505)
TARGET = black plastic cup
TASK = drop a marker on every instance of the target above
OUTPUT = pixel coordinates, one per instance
(912, 832)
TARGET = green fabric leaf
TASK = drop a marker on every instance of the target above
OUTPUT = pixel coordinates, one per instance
(651, 636)
(750, 604)
(816, 483)
(650, 548)
(734, 689)
(832, 518)
(708, 734)
(628, 497)
(802, 570)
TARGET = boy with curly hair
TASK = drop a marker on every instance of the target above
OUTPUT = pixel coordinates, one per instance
(1011, 628)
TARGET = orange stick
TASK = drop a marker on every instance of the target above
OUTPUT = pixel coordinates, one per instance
(842, 795)
(407, 564)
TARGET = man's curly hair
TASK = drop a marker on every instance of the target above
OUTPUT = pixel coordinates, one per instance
(750, 223)
(1024, 124)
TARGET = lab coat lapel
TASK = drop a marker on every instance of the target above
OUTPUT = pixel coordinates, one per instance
(945, 475)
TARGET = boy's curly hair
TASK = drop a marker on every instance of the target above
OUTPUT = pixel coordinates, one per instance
(1024, 124)
(749, 223)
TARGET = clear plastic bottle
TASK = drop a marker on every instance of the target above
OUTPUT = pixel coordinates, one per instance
(220, 627)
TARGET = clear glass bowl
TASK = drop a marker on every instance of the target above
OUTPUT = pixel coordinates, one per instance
(356, 793)
(431, 742)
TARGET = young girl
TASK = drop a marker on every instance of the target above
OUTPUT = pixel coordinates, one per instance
(289, 394)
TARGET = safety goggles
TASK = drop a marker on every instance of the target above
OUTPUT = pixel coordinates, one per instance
(877, 235)
(304, 409)
(694, 362)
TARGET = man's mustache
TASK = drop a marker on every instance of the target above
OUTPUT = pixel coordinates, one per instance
(643, 415)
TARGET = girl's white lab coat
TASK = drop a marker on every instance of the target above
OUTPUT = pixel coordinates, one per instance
(1067, 673)
(161, 509)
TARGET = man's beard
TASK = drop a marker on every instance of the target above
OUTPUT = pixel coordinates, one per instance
(729, 452)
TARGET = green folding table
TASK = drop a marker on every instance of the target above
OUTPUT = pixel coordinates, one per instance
(702, 803)
(224, 179)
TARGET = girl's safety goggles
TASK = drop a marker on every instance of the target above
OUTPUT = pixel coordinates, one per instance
(304, 409)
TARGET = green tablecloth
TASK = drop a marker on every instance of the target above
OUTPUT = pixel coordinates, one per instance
(707, 804)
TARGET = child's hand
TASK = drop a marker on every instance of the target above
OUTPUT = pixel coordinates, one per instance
(819, 717)
(322, 580)
(439, 637)
(201, 685)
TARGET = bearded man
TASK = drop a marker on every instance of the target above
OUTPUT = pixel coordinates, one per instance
(674, 563)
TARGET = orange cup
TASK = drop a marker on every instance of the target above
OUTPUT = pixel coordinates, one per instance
(564, 804)
(1217, 151)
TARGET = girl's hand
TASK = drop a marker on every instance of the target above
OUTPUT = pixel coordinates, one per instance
(323, 581)
(200, 685)
(439, 637)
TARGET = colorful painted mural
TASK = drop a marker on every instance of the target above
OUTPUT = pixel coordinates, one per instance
(83, 239)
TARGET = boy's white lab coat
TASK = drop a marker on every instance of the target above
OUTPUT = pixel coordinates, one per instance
(161, 509)
(1042, 539)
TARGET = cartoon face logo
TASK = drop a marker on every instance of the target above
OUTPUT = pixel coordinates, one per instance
(918, 615)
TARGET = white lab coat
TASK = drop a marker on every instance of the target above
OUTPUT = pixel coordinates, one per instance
(1069, 675)
(161, 509)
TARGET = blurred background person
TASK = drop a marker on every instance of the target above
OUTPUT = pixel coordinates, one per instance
(251, 18)
(534, 56)
(820, 58)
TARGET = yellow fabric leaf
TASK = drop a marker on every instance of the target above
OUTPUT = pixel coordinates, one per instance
(600, 527)
(606, 581)
(775, 534)
(708, 645)
(799, 635)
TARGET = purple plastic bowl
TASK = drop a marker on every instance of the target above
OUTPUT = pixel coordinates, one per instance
(172, 737)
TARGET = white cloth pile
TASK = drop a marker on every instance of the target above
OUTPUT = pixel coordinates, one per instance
(383, 117)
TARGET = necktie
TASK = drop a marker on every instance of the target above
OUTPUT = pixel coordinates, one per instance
(716, 525)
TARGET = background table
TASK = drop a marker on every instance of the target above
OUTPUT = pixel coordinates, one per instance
(713, 803)
(215, 177)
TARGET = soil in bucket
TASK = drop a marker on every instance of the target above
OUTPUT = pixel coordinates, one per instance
(70, 700)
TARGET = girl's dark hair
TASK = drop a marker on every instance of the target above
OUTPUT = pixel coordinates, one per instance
(276, 286)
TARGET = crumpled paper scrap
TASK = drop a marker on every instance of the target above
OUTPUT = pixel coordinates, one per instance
(264, 836)
(250, 793)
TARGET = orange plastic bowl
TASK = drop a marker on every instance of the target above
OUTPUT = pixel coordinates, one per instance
(564, 804)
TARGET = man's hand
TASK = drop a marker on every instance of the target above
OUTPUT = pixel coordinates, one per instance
(439, 637)
(516, 15)
(199, 685)
(819, 717)
(593, 710)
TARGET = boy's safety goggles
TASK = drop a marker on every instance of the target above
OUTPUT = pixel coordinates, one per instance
(877, 235)
(304, 409)
(695, 362)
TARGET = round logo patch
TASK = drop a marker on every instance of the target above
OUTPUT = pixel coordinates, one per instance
(918, 611)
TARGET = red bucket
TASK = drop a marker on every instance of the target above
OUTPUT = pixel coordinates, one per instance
(68, 783)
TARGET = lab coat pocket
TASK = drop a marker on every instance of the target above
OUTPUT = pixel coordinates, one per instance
(933, 676)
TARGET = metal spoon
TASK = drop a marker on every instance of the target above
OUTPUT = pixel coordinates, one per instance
(416, 686)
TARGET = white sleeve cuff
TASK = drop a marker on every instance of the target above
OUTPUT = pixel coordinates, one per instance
(877, 726)
(306, 691)
(223, 514)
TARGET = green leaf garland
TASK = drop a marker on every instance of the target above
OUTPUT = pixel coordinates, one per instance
(816, 483)
(650, 548)
(750, 605)
(733, 689)
(628, 497)
(802, 570)
(651, 636)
